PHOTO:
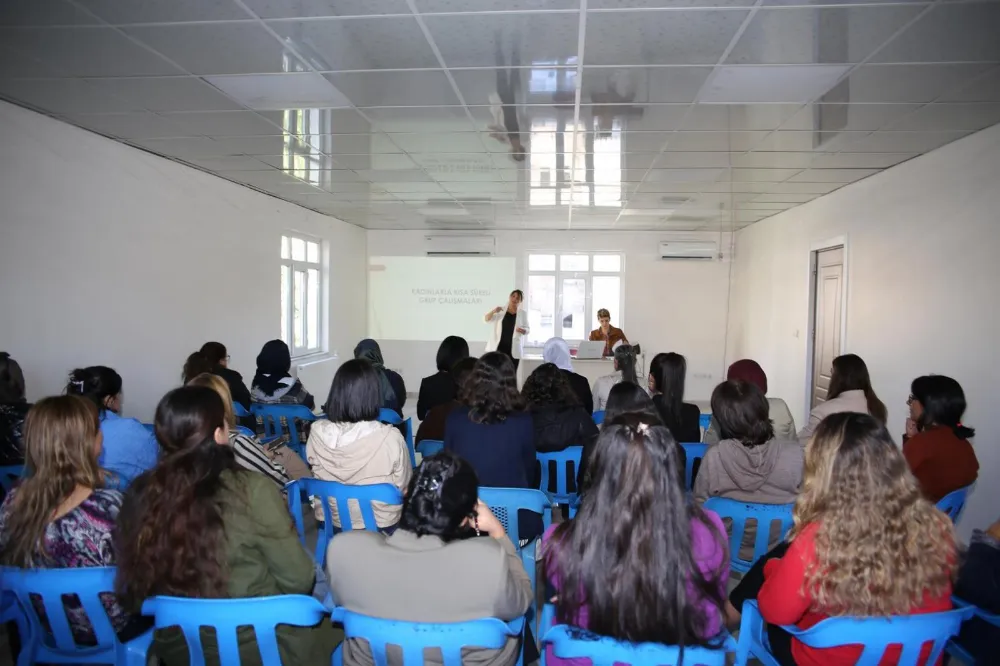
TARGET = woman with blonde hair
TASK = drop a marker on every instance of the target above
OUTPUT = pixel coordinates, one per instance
(280, 464)
(865, 543)
(60, 516)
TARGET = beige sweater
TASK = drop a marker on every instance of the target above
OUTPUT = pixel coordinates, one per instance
(359, 454)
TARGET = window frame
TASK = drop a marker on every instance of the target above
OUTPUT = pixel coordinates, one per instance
(304, 265)
(588, 277)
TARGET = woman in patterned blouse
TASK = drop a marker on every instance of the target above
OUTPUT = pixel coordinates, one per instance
(60, 516)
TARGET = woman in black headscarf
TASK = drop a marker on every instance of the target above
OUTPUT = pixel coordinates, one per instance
(390, 383)
(273, 383)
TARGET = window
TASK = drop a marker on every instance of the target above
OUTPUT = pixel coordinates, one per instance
(302, 308)
(565, 291)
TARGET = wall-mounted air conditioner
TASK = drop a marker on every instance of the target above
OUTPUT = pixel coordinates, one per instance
(689, 250)
(460, 246)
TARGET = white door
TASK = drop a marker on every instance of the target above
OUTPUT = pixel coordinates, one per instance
(827, 301)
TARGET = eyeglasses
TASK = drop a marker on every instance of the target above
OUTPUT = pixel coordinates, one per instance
(909, 401)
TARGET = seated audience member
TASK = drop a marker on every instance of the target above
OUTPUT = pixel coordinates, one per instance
(281, 464)
(865, 544)
(937, 445)
(979, 584)
(624, 398)
(495, 434)
(354, 447)
(556, 351)
(198, 525)
(624, 372)
(850, 391)
(433, 426)
(666, 555)
(13, 409)
(218, 359)
(433, 569)
(667, 373)
(781, 417)
(273, 384)
(440, 388)
(60, 516)
(196, 364)
(749, 463)
(129, 448)
(558, 418)
(391, 386)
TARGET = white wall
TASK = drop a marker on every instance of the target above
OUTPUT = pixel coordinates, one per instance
(923, 240)
(110, 255)
(668, 305)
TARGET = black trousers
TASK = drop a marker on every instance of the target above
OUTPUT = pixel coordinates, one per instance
(748, 588)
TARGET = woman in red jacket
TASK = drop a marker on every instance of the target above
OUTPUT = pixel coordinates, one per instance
(866, 543)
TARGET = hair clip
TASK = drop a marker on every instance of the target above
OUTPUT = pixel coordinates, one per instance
(429, 484)
(642, 427)
(79, 385)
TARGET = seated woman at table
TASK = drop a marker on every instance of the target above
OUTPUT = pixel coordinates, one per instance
(608, 333)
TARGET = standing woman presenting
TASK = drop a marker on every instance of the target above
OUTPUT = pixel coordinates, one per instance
(510, 325)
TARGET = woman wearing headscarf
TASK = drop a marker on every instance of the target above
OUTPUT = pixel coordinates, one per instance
(391, 384)
(749, 371)
(273, 384)
(556, 351)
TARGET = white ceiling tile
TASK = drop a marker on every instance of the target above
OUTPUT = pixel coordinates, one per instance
(718, 141)
(804, 188)
(65, 96)
(773, 160)
(649, 85)
(415, 88)
(950, 117)
(289, 90)
(762, 175)
(853, 117)
(901, 142)
(832, 175)
(14, 65)
(303, 8)
(261, 145)
(694, 160)
(233, 163)
(140, 125)
(185, 148)
(43, 13)
(661, 38)
(983, 88)
(156, 11)
(219, 48)
(223, 123)
(787, 197)
(950, 32)
(908, 83)
(738, 116)
(108, 52)
(739, 84)
(440, 6)
(471, 40)
(165, 93)
(860, 160)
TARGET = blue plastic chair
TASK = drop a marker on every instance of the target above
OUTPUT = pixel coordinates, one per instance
(505, 503)
(561, 495)
(392, 418)
(9, 476)
(954, 503)
(876, 634)
(414, 637)
(704, 420)
(428, 447)
(341, 494)
(226, 616)
(955, 648)
(275, 418)
(742, 512)
(115, 481)
(239, 411)
(58, 647)
(692, 451)
(575, 643)
(151, 427)
(599, 417)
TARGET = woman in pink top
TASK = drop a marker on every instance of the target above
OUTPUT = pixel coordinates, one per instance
(640, 562)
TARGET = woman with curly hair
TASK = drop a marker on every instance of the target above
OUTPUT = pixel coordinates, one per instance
(198, 525)
(559, 420)
(494, 432)
(865, 543)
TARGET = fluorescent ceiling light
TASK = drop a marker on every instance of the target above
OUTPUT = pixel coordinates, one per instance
(775, 84)
(275, 92)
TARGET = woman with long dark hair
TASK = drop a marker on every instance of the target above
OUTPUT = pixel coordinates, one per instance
(850, 391)
(13, 410)
(659, 574)
(937, 447)
(433, 426)
(198, 525)
(391, 387)
(60, 516)
(558, 418)
(433, 568)
(129, 449)
(273, 383)
(625, 361)
(667, 373)
(440, 388)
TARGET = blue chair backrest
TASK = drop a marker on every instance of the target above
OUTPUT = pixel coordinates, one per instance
(575, 643)
(692, 451)
(743, 512)
(561, 458)
(227, 615)
(414, 637)
(599, 417)
(704, 420)
(9, 475)
(239, 411)
(428, 447)
(151, 427)
(50, 585)
(341, 494)
(505, 503)
(956, 649)
(115, 481)
(954, 503)
(392, 418)
(276, 417)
